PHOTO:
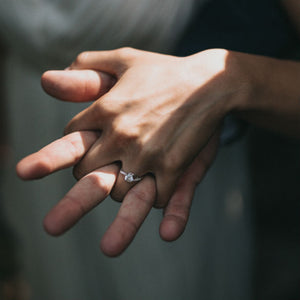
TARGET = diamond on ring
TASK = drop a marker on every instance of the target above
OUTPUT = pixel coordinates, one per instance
(130, 177)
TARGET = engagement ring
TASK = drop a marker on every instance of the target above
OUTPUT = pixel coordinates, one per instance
(130, 177)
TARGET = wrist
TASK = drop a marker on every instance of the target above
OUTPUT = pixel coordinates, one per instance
(242, 84)
(253, 78)
(217, 76)
(271, 94)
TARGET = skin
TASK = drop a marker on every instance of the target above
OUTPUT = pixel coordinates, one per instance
(292, 8)
(93, 188)
(145, 126)
(159, 117)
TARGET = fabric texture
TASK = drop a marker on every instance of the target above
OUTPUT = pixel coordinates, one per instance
(53, 31)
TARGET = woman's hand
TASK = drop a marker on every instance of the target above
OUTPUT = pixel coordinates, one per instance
(93, 188)
(158, 116)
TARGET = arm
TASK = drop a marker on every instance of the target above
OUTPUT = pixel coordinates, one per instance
(272, 94)
(292, 8)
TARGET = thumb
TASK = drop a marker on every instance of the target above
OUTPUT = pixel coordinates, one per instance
(76, 85)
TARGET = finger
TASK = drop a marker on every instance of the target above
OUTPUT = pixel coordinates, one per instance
(60, 154)
(76, 86)
(88, 119)
(134, 209)
(83, 197)
(113, 61)
(100, 154)
(126, 180)
(177, 211)
(165, 185)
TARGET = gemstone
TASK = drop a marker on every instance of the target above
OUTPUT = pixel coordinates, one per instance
(129, 177)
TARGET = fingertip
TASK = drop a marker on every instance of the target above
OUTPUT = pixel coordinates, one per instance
(26, 169)
(171, 228)
(22, 170)
(31, 167)
(56, 83)
(59, 219)
(76, 85)
(116, 239)
(45, 76)
(51, 227)
(48, 80)
(59, 84)
(111, 247)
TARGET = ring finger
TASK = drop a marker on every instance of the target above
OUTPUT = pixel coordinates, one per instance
(132, 213)
(125, 181)
(103, 153)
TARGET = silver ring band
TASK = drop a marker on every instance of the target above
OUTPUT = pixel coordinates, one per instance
(130, 177)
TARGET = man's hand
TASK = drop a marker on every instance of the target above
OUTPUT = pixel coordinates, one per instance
(157, 117)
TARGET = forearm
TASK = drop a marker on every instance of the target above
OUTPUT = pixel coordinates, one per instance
(270, 95)
(292, 8)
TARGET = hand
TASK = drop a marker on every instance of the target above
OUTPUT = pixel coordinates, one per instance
(159, 115)
(93, 188)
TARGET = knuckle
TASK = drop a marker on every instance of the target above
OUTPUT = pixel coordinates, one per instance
(97, 182)
(77, 204)
(179, 211)
(151, 150)
(131, 226)
(125, 52)
(154, 151)
(141, 196)
(124, 133)
(172, 162)
(74, 148)
(81, 58)
(106, 108)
